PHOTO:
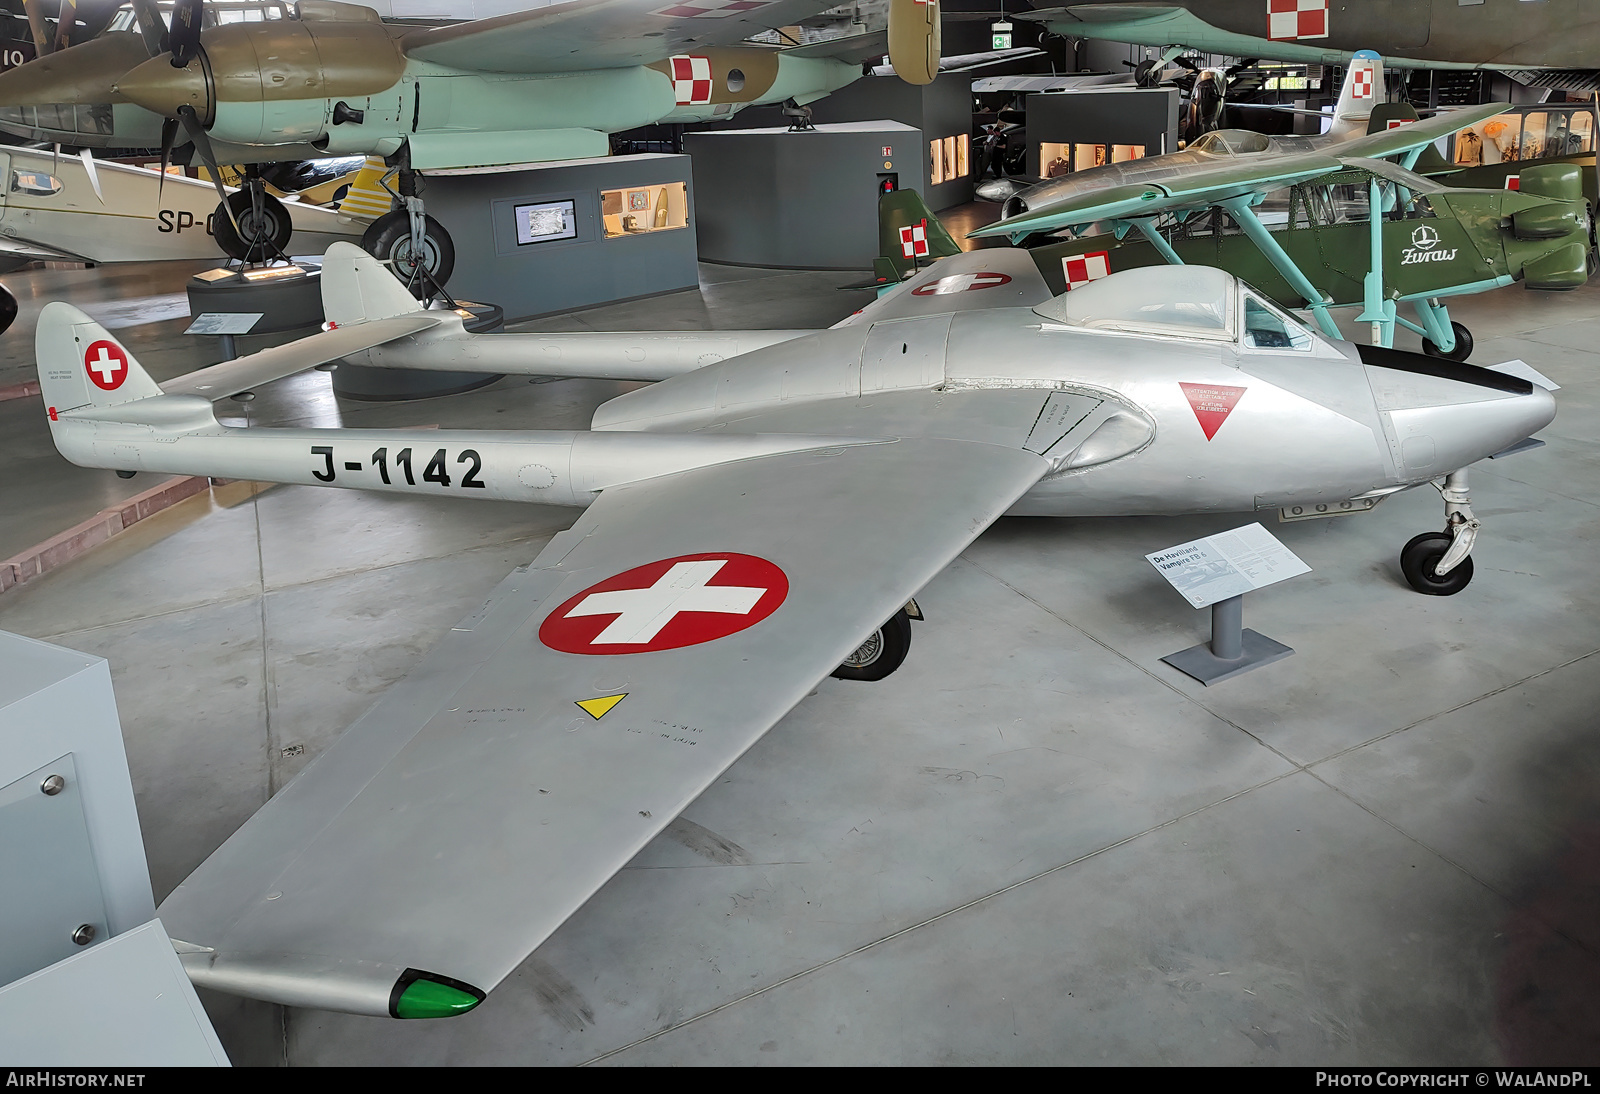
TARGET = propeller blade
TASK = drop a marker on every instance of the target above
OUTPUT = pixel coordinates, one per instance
(152, 27)
(185, 35)
(202, 144)
(66, 23)
(94, 174)
(169, 134)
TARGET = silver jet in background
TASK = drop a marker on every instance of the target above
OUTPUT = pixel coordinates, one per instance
(749, 527)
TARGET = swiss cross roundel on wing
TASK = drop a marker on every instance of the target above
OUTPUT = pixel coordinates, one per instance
(106, 363)
(668, 604)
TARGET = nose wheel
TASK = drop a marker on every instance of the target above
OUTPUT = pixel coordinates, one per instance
(1440, 563)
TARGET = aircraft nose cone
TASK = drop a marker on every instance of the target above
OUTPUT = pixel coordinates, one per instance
(80, 74)
(157, 86)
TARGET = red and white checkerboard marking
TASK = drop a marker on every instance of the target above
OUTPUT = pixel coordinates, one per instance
(691, 80)
(1082, 269)
(709, 9)
(1295, 20)
(914, 239)
(1361, 82)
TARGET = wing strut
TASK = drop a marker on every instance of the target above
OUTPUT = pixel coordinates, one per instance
(1147, 226)
(1239, 209)
(1375, 309)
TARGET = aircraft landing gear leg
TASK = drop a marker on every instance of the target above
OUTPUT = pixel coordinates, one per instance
(413, 244)
(1441, 336)
(1440, 563)
(263, 223)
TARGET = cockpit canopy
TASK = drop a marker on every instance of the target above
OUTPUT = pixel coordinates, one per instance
(1231, 142)
(1192, 302)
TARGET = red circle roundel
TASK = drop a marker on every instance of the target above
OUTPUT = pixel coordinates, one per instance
(106, 364)
(668, 604)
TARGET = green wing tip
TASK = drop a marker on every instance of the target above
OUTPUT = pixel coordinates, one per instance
(429, 995)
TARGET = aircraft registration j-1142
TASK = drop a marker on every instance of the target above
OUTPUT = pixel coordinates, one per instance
(735, 515)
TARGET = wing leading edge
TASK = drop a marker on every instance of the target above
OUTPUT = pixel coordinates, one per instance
(477, 805)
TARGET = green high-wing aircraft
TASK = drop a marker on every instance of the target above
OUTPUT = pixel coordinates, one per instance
(1428, 242)
(1416, 33)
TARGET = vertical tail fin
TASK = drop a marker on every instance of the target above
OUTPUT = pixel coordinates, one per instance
(82, 365)
(1363, 89)
(357, 287)
(909, 234)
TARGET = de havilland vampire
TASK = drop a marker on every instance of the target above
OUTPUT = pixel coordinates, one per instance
(745, 525)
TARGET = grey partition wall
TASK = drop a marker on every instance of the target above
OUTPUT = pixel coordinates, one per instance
(940, 110)
(544, 238)
(800, 200)
(1109, 118)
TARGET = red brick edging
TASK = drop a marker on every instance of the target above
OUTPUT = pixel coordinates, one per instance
(66, 546)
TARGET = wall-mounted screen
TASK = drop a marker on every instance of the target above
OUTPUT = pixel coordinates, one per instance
(545, 222)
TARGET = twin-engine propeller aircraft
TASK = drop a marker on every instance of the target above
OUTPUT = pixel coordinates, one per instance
(548, 83)
(749, 527)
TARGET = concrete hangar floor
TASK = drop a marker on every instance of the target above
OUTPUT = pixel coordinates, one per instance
(1034, 844)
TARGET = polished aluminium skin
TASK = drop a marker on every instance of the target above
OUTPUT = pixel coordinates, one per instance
(1416, 33)
(420, 859)
(541, 84)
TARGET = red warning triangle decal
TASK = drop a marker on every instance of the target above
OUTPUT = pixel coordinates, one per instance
(1212, 404)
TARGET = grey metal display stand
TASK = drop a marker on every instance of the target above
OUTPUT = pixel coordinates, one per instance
(1217, 571)
(1232, 649)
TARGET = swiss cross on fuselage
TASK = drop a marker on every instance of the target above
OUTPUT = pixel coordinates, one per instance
(106, 364)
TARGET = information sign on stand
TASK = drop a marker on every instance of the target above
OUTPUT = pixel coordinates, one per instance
(226, 324)
(1217, 571)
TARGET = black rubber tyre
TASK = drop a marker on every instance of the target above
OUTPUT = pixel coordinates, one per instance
(1463, 348)
(1418, 559)
(8, 309)
(389, 239)
(1145, 74)
(253, 242)
(883, 651)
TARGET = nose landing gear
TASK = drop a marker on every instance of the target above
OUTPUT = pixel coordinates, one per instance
(1440, 563)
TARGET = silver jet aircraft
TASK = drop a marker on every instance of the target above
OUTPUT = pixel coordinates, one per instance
(748, 528)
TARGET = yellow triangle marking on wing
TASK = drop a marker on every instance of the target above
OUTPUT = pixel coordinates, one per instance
(600, 706)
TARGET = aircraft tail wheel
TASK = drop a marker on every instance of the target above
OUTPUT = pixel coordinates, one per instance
(258, 238)
(389, 239)
(1419, 557)
(883, 651)
(1463, 348)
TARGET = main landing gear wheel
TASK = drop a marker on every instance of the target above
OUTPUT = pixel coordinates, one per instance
(8, 309)
(389, 240)
(1463, 348)
(883, 651)
(260, 237)
(1419, 558)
